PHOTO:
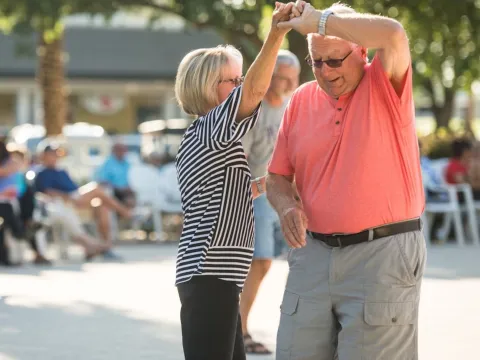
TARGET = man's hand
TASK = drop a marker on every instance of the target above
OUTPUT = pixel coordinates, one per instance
(304, 18)
(294, 226)
(10, 192)
(12, 166)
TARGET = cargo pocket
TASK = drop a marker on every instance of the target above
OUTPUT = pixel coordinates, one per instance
(287, 322)
(390, 314)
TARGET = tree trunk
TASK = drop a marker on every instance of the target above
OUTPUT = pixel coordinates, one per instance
(298, 45)
(443, 114)
(470, 114)
(51, 78)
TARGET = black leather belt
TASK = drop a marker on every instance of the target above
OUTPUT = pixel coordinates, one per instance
(342, 240)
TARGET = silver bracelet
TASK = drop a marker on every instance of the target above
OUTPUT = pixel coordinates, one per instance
(323, 21)
(260, 188)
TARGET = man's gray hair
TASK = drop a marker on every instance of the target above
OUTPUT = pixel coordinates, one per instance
(286, 57)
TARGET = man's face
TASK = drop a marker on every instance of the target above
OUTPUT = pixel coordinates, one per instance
(467, 156)
(341, 80)
(50, 158)
(284, 80)
(119, 150)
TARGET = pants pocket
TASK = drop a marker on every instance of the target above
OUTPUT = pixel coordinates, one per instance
(412, 251)
(390, 314)
(390, 331)
(285, 330)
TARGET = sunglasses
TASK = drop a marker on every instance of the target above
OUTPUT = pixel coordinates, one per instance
(331, 63)
(237, 81)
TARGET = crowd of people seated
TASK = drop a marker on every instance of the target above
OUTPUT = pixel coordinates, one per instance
(16, 203)
(463, 167)
(61, 198)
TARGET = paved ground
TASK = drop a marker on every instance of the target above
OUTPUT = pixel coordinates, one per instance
(130, 311)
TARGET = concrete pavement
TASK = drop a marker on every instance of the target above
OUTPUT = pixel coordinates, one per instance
(130, 311)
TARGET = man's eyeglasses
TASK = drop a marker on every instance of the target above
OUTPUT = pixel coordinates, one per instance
(237, 81)
(331, 63)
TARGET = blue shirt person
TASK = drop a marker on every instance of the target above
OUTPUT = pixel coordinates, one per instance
(114, 170)
(55, 179)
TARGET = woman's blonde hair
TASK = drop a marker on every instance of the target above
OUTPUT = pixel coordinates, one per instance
(197, 76)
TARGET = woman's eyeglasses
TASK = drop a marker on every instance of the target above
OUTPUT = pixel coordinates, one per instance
(237, 81)
(331, 63)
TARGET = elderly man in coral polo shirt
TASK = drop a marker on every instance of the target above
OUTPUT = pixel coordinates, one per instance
(348, 140)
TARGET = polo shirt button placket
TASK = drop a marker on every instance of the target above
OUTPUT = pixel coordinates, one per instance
(338, 120)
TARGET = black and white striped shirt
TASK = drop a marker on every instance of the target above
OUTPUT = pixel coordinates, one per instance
(214, 179)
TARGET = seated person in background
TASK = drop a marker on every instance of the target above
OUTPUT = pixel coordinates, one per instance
(474, 171)
(114, 173)
(457, 168)
(8, 193)
(57, 184)
(26, 200)
(169, 188)
(431, 179)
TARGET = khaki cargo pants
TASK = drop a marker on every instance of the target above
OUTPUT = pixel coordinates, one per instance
(355, 303)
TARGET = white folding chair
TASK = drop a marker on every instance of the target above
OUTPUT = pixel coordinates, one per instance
(154, 192)
(451, 207)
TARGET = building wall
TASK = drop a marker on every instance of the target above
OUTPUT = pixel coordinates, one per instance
(137, 108)
(121, 122)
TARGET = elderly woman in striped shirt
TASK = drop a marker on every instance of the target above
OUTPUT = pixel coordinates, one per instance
(216, 245)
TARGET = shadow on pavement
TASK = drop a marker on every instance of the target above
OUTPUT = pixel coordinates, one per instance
(146, 253)
(451, 262)
(32, 331)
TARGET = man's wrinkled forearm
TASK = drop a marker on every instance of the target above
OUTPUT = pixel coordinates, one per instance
(281, 193)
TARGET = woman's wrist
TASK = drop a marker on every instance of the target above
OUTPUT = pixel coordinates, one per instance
(275, 36)
(260, 184)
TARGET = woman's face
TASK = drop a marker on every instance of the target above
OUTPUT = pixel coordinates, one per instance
(230, 72)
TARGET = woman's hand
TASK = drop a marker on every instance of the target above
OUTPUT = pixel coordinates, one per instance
(259, 75)
(282, 13)
(304, 19)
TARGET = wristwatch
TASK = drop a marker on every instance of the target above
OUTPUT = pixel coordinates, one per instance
(260, 188)
(323, 21)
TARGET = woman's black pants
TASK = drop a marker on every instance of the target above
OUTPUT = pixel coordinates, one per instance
(211, 325)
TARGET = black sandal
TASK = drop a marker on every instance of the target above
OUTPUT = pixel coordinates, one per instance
(253, 347)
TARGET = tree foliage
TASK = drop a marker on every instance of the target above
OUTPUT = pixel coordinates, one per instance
(45, 18)
(444, 37)
(445, 46)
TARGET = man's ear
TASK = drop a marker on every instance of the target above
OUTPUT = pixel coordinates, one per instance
(364, 52)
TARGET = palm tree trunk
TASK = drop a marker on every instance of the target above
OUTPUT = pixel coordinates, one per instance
(51, 78)
(470, 113)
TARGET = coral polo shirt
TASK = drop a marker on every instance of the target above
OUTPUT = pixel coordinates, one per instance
(355, 160)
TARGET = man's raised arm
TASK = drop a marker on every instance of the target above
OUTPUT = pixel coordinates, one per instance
(369, 31)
